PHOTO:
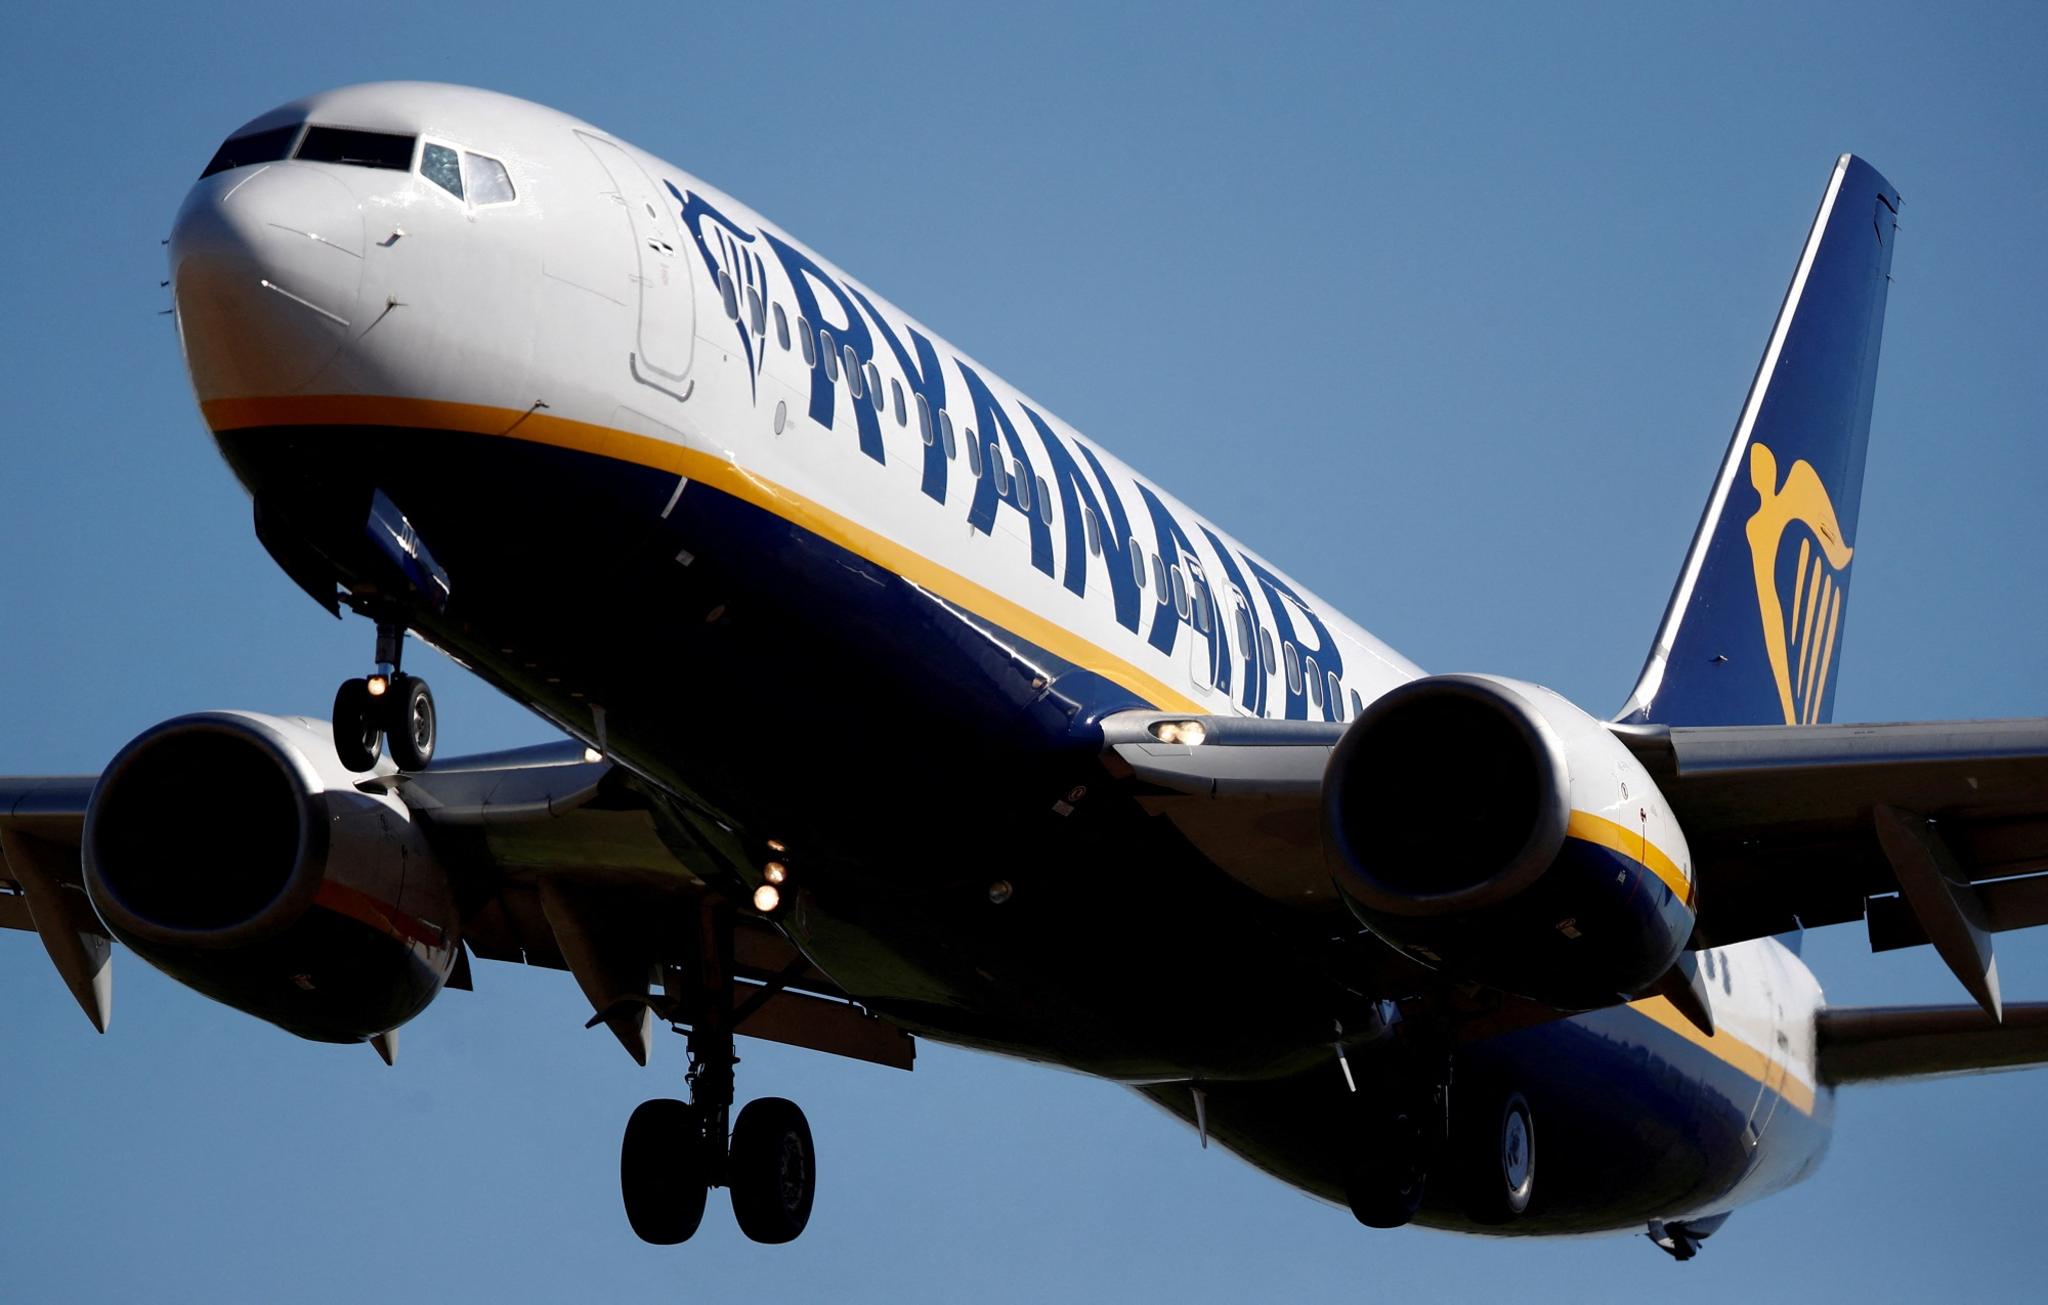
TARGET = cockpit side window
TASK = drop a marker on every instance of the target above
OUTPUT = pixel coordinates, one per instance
(266, 146)
(361, 149)
(443, 167)
(489, 183)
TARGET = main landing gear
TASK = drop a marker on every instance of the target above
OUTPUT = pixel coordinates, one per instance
(676, 1151)
(388, 705)
(1405, 1131)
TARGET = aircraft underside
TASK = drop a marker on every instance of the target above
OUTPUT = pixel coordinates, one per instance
(1059, 926)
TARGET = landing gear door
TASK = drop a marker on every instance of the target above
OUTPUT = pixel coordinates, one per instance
(668, 325)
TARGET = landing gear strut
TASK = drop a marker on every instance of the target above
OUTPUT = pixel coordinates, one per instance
(675, 1151)
(388, 705)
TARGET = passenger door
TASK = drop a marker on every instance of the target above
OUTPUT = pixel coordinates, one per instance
(668, 325)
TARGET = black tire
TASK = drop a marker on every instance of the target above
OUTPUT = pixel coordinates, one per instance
(356, 733)
(662, 1171)
(773, 1171)
(411, 728)
(1386, 1168)
(1494, 1154)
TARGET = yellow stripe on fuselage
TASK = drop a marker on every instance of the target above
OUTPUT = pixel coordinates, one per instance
(645, 451)
(1631, 843)
(1730, 1050)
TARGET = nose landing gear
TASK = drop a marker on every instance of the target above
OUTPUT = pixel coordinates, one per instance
(387, 706)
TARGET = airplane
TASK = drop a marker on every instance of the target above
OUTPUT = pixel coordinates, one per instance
(896, 708)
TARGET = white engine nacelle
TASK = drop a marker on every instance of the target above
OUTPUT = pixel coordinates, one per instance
(1491, 829)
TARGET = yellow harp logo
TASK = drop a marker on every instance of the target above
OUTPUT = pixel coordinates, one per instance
(1801, 642)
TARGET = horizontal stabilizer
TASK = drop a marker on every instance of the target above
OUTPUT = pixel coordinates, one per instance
(1875, 1044)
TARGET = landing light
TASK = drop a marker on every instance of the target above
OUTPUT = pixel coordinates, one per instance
(378, 684)
(1190, 732)
(766, 898)
(592, 754)
(775, 872)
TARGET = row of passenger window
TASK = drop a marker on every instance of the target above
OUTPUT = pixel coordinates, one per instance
(1188, 593)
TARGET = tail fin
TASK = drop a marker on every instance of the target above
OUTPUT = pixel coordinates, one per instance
(1753, 632)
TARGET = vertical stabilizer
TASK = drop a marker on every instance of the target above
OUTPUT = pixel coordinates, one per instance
(1753, 632)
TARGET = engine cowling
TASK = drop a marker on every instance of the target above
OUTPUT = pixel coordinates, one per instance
(234, 853)
(1490, 829)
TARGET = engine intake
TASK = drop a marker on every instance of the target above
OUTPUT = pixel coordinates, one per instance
(234, 853)
(1491, 829)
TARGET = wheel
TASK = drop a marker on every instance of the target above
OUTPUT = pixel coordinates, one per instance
(1494, 1152)
(1386, 1170)
(773, 1170)
(662, 1172)
(411, 729)
(356, 733)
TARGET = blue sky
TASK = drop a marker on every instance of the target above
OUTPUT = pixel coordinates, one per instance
(1449, 311)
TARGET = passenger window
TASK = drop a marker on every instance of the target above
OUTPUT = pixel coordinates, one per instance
(1293, 668)
(1336, 695)
(781, 328)
(874, 385)
(1044, 503)
(488, 181)
(757, 314)
(1266, 658)
(443, 167)
(1093, 529)
(1314, 675)
(924, 421)
(729, 296)
(852, 370)
(996, 467)
(1357, 705)
(1199, 597)
(946, 433)
(803, 334)
(1137, 562)
(829, 353)
(896, 402)
(1244, 629)
(1181, 605)
(973, 454)
(1164, 590)
(1023, 485)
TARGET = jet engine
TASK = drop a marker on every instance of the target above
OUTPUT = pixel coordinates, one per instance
(233, 852)
(1492, 830)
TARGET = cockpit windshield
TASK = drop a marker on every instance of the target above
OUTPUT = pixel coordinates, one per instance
(266, 146)
(362, 149)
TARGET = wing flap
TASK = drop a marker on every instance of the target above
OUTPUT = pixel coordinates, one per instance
(1893, 1043)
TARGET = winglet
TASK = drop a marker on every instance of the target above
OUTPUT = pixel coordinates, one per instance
(1753, 631)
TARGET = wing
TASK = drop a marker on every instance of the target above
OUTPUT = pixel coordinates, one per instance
(562, 863)
(1933, 832)
(1880, 1043)
(41, 820)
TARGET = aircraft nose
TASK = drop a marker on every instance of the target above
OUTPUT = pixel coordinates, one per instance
(266, 266)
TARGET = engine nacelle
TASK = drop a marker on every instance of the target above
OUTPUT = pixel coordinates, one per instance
(233, 852)
(1490, 829)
